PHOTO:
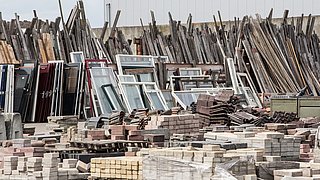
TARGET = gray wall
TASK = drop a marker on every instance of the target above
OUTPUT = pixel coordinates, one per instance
(202, 10)
(131, 32)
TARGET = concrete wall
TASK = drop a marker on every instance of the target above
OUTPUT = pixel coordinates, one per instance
(136, 31)
(202, 10)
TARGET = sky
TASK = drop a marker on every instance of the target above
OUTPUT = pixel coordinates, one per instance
(133, 10)
(49, 9)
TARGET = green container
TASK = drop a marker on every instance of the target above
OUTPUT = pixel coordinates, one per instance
(284, 104)
(309, 107)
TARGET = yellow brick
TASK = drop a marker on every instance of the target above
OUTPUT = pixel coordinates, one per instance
(135, 168)
(135, 163)
(113, 171)
(118, 161)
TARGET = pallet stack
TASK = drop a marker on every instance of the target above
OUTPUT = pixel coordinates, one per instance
(116, 168)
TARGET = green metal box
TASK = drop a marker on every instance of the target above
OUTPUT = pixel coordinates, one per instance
(309, 107)
(284, 104)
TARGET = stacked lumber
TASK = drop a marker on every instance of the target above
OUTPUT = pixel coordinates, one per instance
(7, 54)
(45, 41)
(282, 58)
(184, 44)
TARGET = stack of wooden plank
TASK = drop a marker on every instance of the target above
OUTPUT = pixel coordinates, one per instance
(45, 41)
(283, 58)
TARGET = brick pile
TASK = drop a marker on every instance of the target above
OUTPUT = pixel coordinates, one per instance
(117, 168)
(172, 163)
(273, 143)
(38, 168)
(306, 153)
(178, 124)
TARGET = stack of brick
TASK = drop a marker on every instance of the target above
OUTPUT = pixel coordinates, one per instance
(50, 166)
(170, 163)
(132, 151)
(32, 151)
(70, 172)
(279, 174)
(34, 164)
(155, 140)
(265, 169)
(10, 164)
(116, 168)
(273, 143)
(178, 124)
(71, 133)
(117, 132)
(306, 136)
(46, 168)
(22, 165)
(20, 143)
(96, 134)
(81, 135)
(297, 174)
(286, 129)
(306, 153)
(125, 132)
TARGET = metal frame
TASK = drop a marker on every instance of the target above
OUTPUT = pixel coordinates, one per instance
(175, 93)
(74, 59)
(251, 102)
(88, 62)
(146, 91)
(139, 61)
(233, 76)
(124, 93)
(9, 94)
(181, 70)
(57, 89)
(105, 71)
(112, 103)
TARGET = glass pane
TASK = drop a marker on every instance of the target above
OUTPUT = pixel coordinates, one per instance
(156, 100)
(133, 95)
(113, 97)
(136, 61)
(127, 78)
(146, 77)
(100, 77)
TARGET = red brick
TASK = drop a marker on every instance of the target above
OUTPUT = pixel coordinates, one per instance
(117, 129)
(118, 137)
(135, 138)
(154, 137)
(136, 133)
(131, 127)
(130, 153)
